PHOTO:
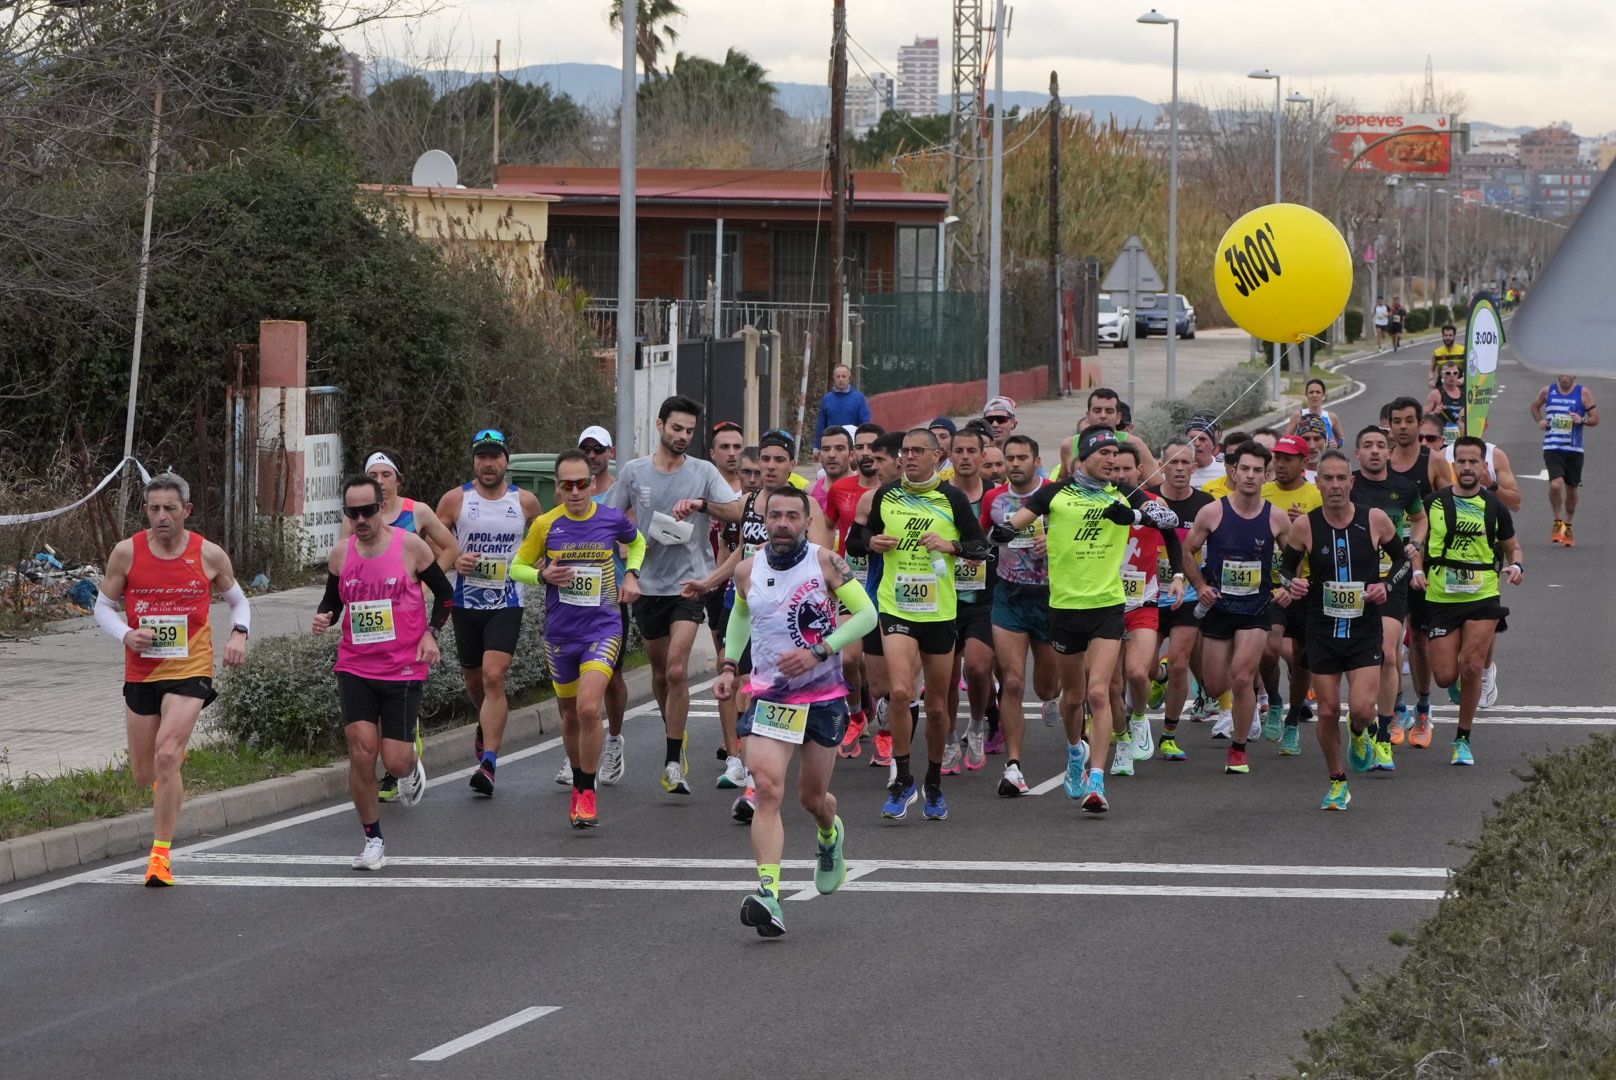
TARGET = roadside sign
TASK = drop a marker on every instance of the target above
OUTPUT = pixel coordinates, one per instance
(1133, 271)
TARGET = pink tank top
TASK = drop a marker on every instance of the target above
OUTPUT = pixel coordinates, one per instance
(384, 615)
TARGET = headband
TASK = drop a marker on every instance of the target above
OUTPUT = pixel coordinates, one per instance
(379, 458)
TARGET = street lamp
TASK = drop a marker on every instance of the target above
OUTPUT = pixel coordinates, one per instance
(942, 232)
(1156, 18)
(1430, 293)
(1297, 98)
(1266, 74)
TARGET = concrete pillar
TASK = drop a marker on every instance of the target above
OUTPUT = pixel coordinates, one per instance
(283, 378)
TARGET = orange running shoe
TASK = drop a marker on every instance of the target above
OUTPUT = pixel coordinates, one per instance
(1554, 535)
(158, 872)
(1565, 535)
(582, 813)
(1397, 734)
(1419, 736)
(853, 742)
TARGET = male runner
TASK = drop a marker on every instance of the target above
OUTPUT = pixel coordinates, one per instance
(1313, 432)
(943, 430)
(1449, 352)
(973, 622)
(1179, 622)
(165, 576)
(1471, 534)
(1343, 590)
(1563, 410)
(672, 497)
(995, 468)
(841, 508)
(1105, 409)
(1089, 523)
(389, 644)
(1412, 457)
(1239, 532)
(835, 462)
(1292, 492)
(724, 451)
(1202, 432)
(885, 454)
(573, 550)
(919, 526)
(1448, 399)
(488, 516)
(785, 610)
(596, 443)
(1000, 416)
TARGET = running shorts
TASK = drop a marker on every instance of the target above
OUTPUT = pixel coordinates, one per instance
(480, 630)
(933, 638)
(657, 614)
(1143, 617)
(146, 698)
(1563, 465)
(1219, 625)
(827, 722)
(1022, 609)
(1071, 629)
(973, 622)
(1328, 656)
(393, 704)
(1445, 619)
(568, 660)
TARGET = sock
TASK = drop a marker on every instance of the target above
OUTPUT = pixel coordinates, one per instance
(1170, 725)
(373, 831)
(1399, 704)
(934, 775)
(905, 778)
(1341, 776)
(160, 847)
(675, 750)
(1226, 701)
(1292, 719)
(1383, 728)
(583, 781)
(828, 836)
(769, 878)
(1137, 717)
(491, 759)
(1423, 703)
(1076, 749)
(1013, 761)
(1461, 736)
(1240, 746)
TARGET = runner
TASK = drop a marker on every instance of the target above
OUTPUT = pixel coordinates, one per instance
(1000, 416)
(388, 647)
(1293, 493)
(995, 469)
(1448, 399)
(672, 498)
(1316, 393)
(885, 454)
(1317, 436)
(1449, 352)
(1202, 432)
(1563, 409)
(488, 516)
(1383, 313)
(1180, 623)
(165, 576)
(973, 622)
(1394, 322)
(572, 551)
(835, 461)
(1223, 483)
(1239, 532)
(1342, 592)
(943, 430)
(919, 526)
(1471, 534)
(841, 508)
(785, 611)
(1105, 409)
(1089, 520)
(1410, 456)
(724, 451)
(596, 443)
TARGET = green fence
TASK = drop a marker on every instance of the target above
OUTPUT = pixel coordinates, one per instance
(916, 339)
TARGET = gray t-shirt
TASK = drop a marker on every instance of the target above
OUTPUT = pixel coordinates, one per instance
(643, 490)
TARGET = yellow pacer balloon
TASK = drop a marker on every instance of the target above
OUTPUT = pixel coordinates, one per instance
(1283, 272)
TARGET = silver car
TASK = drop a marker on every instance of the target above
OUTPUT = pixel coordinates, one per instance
(1116, 323)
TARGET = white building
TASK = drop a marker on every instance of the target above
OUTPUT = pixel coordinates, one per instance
(867, 99)
(918, 78)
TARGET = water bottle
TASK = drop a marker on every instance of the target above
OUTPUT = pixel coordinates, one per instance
(938, 566)
(1202, 606)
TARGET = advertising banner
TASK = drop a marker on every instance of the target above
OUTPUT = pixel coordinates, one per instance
(1423, 145)
(1484, 336)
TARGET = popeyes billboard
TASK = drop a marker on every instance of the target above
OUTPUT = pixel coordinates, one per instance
(1423, 142)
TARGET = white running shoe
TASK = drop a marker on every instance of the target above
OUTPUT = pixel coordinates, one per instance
(1254, 733)
(1122, 758)
(374, 857)
(1013, 783)
(951, 757)
(1052, 713)
(1223, 727)
(1144, 744)
(412, 788)
(1489, 687)
(673, 779)
(976, 737)
(734, 774)
(563, 775)
(611, 760)
(883, 720)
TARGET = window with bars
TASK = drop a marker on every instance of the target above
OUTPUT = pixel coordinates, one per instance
(587, 255)
(800, 270)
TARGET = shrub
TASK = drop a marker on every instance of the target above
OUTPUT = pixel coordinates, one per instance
(1417, 320)
(1443, 314)
(1460, 312)
(1237, 394)
(1354, 322)
(1511, 975)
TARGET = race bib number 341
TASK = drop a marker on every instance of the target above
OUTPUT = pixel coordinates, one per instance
(1241, 577)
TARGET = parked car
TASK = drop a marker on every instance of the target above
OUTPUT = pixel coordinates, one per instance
(1116, 323)
(1152, 316)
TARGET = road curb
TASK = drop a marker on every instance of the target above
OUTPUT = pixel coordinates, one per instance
(72, 846)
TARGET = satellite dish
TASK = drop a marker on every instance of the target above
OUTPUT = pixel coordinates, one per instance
(435, 169)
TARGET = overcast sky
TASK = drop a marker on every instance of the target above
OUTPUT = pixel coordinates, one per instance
(1519, 61)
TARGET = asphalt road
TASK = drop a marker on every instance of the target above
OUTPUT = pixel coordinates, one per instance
(1197, 930)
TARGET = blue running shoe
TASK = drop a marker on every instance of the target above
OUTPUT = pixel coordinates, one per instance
(936, 808)
(1361, 751)
(900, 798)
(1453, 692)
(1290, 742)
(1461, 753)
(1077, 759)
(1094, 801)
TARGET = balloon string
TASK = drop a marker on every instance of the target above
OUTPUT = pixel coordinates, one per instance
(1265, 373)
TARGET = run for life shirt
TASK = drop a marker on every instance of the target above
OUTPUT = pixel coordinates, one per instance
(645, 492)
(1085, 550)
(917, 585)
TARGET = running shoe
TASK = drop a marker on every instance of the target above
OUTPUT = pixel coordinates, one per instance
(1254, 733)
(994, 744)
(420, 743)
(159, 871)
(881, 756)
(1051, 713)
(744, 806)
(1419, 736)
(1237, 762)
(936, 808)
(830, 867)
(951, 758)
(1170, 750)
(1273, 724)
(1077, 759)
(761, 911)
(412, 788)
(1200, 707)
(673, 779)
(900, 797)
(1557, 531)
(734, 774)
(1489, 687)
(611, 760)
(1383, 756)
(976, 746)
(1013, 783)
(1290, 742)
(1396, 735)
(1158, 686)
(374, 857)
(477, 741)
(853, 742)
(1144, 745)
(1337, 797)
(1453, 692)
(1122, 757)
(582, 814)
(482, 782)
(883, 718)
(1361, 751)
(1223, 727)
(563, 775)
(1565, 536)
(387, 789)
(1094, 800)
(1461, 753)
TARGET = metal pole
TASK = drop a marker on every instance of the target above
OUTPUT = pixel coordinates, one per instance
(1430, 293)
(493, 179)
(836, 327)
(1278, 348)
(1447, 239)
(942, 251)
(1133, 309)
(142, 275)
(1172, 238)
(718, 280)
(996, 222)
(1312, 143)
(628, 121)
(1054, 226)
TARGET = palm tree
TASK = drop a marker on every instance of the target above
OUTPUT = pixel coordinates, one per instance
(652, 32)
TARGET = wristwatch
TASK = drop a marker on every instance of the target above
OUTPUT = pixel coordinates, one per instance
(239, 629)
(821, 651)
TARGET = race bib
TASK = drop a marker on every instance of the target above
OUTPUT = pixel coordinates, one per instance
(584, 589)
(1241, 577)
(1342, 599)
(1385, 564)
(1028, 538)
(779, 720)
(860, 565)
(1164, 566)
(749, 551)
(1463, 581)
(489, 572)
(171, 638)
(370, 622)
(917, 593)
(1560, 423)
(970, 576)
(1133, 585)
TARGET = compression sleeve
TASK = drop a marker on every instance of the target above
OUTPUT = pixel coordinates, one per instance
(332, 600)
(110, 618)
(240, 609)
(858, 540)
(861, 617)
(1290, 561)
(636, 552)
(1399, 557)
(442, 593)
(1175, 550)
(974, 543)
(739, 631)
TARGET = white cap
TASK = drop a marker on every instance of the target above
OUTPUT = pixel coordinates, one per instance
(598, 434)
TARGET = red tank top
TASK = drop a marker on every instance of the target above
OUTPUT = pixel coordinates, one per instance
(170, 597)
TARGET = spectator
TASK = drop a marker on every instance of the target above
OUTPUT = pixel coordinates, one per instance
(944, 429)
(842, 405)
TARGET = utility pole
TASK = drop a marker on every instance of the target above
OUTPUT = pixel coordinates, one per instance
(493, 177)
(835, 330)
(141, 277)
(1054, 225)
(627, 183)
(996, 228)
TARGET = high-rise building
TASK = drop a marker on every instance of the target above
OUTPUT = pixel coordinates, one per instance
(918, 78)
(867, 98)
(1553, 147)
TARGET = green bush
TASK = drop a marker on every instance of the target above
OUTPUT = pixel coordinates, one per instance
(1354, 321)
(1460, 312)
(1443, 314)
(1237, 394)
(1417, 320)
(1512, 975)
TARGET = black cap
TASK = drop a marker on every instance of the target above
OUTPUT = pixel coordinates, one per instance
(1094, 438)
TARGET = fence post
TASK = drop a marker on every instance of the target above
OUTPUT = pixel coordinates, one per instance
(776, 358)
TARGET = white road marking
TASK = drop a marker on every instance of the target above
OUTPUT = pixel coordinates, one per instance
(1541, 474)
(1048, 785)
(483, 1034)
(812, 891)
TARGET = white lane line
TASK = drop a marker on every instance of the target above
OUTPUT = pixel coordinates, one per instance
(812, 891)
(1048, 785)
(92, 876)
(483, 1034)
(1044, 888)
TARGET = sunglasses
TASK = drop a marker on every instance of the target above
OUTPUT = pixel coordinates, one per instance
(489, 435)
(593, 449)
(728, 425)
(1433, 439)
(572, 485)
(997, 419)
(354, 513)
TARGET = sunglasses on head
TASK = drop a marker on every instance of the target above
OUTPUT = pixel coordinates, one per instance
(572, 485)
(354, 513)
(727, 425)
(489, 435)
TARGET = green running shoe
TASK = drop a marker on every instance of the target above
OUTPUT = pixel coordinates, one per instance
(1170, 750)
(1337, 797)
(830, 868)
(1158, 686)
(761, 911)
(1383, 756)
(1273, 724)
(1361, 751)
(1461, 753)
(1290, 744)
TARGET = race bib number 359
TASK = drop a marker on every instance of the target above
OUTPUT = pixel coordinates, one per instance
(171, 638)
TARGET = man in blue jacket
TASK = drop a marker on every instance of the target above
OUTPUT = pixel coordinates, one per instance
(842, 405)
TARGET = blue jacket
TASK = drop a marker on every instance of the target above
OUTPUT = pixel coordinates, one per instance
(841, 407)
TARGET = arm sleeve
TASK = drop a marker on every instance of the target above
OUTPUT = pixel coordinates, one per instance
(1290, 561)
(110, 618)
(858, 540)
(1175, 550)
(739, 631)
(861, 618)
(332, 600)
(974, 543)
(442, 593)
(524, 566)
(240, 609)
(1400, 564)
(636, 553)
(1506, 523)
(873, 525)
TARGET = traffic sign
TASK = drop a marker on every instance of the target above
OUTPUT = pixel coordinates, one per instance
(1133, 271)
